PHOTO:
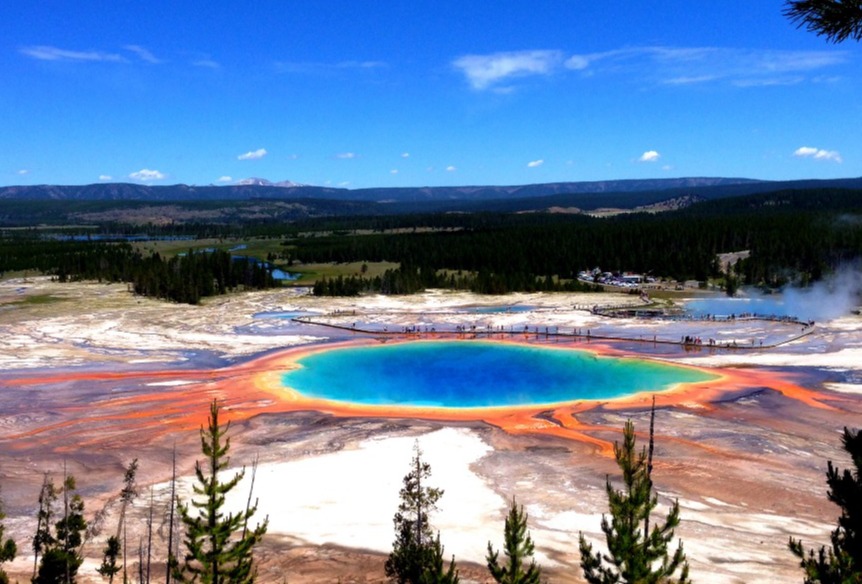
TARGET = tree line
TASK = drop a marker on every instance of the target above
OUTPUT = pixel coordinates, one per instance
(183, 278)
(786, 244)
(218, 545)
(409, 280)
(793, 236)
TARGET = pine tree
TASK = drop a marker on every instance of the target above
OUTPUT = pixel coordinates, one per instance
(61, 555)
(837, 20)
(8, 549)
(216, 551)
(415, 551)
(109, 566)
(842, 563)
(633, 556)
(519, 549)
(436, 572)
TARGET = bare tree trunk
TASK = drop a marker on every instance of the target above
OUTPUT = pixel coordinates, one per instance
(66, 520)
(171, 516)
(125, 562)
(150, 535)
(140, 561)
(649, 463)
(250, 492)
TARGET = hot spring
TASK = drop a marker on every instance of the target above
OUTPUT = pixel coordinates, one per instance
(475, 374)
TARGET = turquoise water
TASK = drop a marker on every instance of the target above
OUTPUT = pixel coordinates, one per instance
(764, 306)
(473, 374)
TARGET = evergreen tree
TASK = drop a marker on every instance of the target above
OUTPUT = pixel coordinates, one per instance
(436, 572)
(842, 563)
(519, 548)
(415, 551)
(216, 551)
(109, 566)
(8, 549)
(43, 538)
(61, 555)
(837, 20)
(636, 553)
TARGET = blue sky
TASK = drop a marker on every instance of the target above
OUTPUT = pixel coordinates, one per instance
(413, 93)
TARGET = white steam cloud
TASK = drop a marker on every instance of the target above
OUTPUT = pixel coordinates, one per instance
(831, 298)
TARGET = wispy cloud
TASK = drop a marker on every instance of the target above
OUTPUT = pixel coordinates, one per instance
(451, 168)
(49, 53)
(253, 155)
(224, 179)
(206, 63)
(105, 177)
(143, 54)
(535, 163)
(316, 68)
(676, 66)
(346, 155)
(405, 155)
(23, 172)
(818, 154)
(649, 156)
(699, 65)
(488, 71)
(145, 175)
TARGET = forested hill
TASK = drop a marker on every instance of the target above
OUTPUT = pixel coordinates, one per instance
(139, 192)
(580, 196)
(639, 199)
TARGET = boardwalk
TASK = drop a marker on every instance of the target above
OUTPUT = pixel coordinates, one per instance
(742, 333)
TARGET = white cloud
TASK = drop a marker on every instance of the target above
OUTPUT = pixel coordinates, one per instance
(48, 53)
(485, 71)
(451, 168)
(253, 155)
(310, 67)
(393, 171)
(207, 63)
(818, 154)
(143, 54)
(145, 174)
(698, 65)
(224, 179)
(405, 155)
(105, 177)
(346, 155)
(535, 163)
(676, 66)
(360, 65)
(23, 171)
(577, 62)
(649, 156)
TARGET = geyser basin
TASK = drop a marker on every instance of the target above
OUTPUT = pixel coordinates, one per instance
(473, 374)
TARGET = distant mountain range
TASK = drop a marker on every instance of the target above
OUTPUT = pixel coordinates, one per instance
(257, 188)
(582, 195)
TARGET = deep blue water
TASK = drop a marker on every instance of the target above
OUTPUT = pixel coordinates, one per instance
(470, 374)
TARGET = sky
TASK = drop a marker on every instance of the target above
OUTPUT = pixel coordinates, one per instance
(417, 93)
